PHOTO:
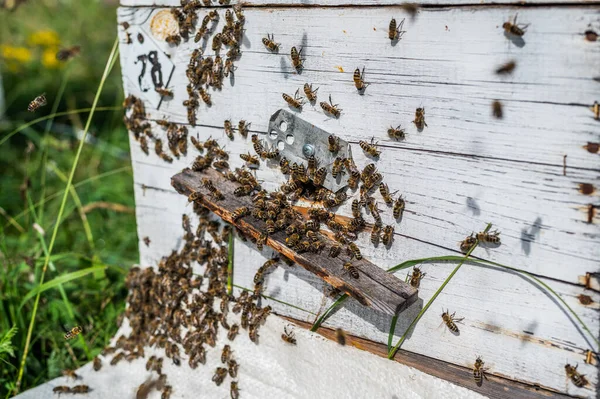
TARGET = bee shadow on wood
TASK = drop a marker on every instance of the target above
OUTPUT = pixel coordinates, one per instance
(232, 79)
(529, 235)
(285, 67)
(516, 40)
(473, 206)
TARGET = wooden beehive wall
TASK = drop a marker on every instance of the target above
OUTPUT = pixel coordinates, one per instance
(532, 174)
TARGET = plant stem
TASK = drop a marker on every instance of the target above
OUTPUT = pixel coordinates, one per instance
(107, 69)
(422, 312)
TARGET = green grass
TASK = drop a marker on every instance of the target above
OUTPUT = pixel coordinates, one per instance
(86, 254)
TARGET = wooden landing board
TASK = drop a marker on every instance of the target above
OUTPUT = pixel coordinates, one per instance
(464, 170)
(374, 288)
(493, 387)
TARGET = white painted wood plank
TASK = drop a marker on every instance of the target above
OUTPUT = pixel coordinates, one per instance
(445, 62)
(521, 332)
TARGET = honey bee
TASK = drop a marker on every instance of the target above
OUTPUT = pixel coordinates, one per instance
(284, 164)
(117, 358)
(492, 238)
(398, 207)
(226, 354)
(228, 129)
(243, 128)
(395, 32)
(229, 21)
(229, 67)
(75, 331)
(237, 9)
(513, 28)
(340, 336)
(261, 240)
(576, 378)
(416, 276)
(70, 373)
(310, 93)
(270, 44)
(166, 392)
(320, 176)
(333, 143)
(331, 108)
(37, 102)
(166, 157)
(295, 102)
(596, 110)
(420, 118)
(250, 159)
(144, 144)
(234, 391)
(221, 164)
(396, 133)
(173, 39)
(479, 371)
(288, 337)
(351, 270)
(164, 92)
(67, 53)
(203, 30)
(296, 59)
(506, 68)
(385, 193)
(375, 234)
(370, 149)
(194, 141)
(451, 321)
(355, 251)
(337, 167)
(388, 235)
(233, 331)
(205, 96)
(216, 43)
(97, 363)
(335, 250)
(61, 389)
(80, 389)
(353, 179)
(359, 82)
(240, 212)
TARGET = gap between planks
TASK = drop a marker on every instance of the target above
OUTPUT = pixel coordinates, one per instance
(496, 387)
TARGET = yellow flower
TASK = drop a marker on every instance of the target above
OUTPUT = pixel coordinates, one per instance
(17, 54)
(49, 58)
(47, 38)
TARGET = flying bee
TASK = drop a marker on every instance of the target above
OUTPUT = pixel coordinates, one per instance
(351, 270)
(240, 212)
(388, 235)
(296, 59)
(228, 129)
(451, 321)
(385, 193)
(370, 149)
(576, 378)
(295, 102)
(333, 143)
(173, 39)
(396, 133)
(37, 102)
(340, 336)
(288, 337)
(270, 44)
(398, 207)
(337, 167)
(310, 93)
(497, 109)
(164, 92)
(420, 118)
(492, 238)
(284, 164)
(479, 370)
(331, 108)
(226, 354)
(97, 363)
(353, 179)
(61, 389)
(66, 54)
(335, 250)
(416, 276)
(395, 32)
(506, 68)
(359, 82)
(513, 28)
(320, 176)
(355, 251)
(75, 331)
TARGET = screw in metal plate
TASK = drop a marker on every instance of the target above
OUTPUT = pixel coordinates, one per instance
(308, 150)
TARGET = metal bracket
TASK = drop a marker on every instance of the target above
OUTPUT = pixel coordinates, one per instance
(297, 140)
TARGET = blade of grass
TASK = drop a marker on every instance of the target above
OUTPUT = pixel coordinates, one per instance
(328, 312)
(274, 299)
(43, 118)
(76, 185)
(86, 225)
(107, 69)
(11, 220)
(435, 295)
(230, 265)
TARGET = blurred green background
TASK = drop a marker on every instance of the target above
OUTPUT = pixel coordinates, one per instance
(98, 225)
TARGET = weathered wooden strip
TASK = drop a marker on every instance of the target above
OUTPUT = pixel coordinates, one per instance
(373, 288)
